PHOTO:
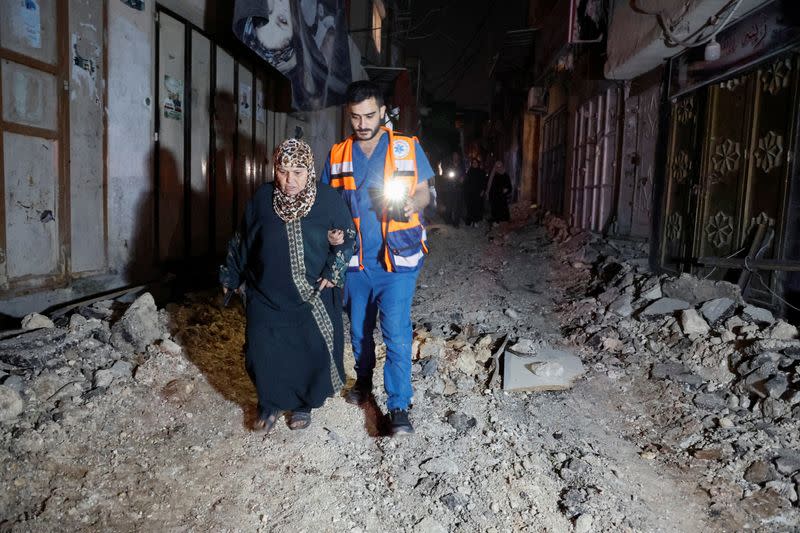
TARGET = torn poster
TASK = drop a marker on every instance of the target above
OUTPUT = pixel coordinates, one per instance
(135, 4)
(173, 103)
(245, 101)
(306, 40)
(27, 23)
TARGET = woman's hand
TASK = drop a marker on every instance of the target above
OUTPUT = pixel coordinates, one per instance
(335, 237)
(324, 284)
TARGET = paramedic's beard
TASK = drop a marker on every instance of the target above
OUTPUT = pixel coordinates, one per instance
(368, 134)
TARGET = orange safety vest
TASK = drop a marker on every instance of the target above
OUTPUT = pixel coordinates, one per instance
(404, 243)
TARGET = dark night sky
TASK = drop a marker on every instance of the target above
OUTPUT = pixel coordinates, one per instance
(456, 40)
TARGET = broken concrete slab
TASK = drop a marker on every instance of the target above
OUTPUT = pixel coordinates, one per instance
(33, 349)
(694, 290)
(138, 327)
(546, 369)
(622, 306)
(782, 330)
(665, 306)
(718, 310)
(759, 315)
(692, 323)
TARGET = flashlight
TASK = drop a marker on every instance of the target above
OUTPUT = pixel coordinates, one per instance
(451, 174)
(395, 195)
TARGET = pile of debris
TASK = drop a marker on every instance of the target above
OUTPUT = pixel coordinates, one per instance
(726, 374)
(48, 369)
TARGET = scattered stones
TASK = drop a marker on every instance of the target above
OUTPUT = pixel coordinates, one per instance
(782, 330)
(583, 524)
(692, 323)
(439, 465)
(758, 315)
(760, 472)
(11, 403)
(461, 422)
(138, 327)
(512, 314)
(665, 306)
(119, 370)
(429, 525)
(694, 290)
(787, 462)
(718, 310)
(36, 321)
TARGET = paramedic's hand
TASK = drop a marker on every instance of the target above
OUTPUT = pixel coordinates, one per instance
(410, 207)
(335, 237)
(324, 284)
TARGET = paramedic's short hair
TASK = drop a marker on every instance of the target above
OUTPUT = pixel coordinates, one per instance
(361, 90)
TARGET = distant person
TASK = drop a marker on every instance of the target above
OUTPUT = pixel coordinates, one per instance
(383, 176)
(294, 335)
(474, 192)
(454, 200)
(499, 193)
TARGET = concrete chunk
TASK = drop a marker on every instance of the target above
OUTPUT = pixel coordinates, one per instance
(36, 321)
(692, 323)
(693, 290)
(547, 369)
(758, 315)
(665, 306)
(717, 310)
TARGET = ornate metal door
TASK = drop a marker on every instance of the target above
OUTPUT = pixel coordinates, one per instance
(741, 172)
(682, 180)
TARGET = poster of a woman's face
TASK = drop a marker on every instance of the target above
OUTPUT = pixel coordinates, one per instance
(305, 40)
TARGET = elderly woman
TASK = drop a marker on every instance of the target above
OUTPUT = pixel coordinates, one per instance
(293, 275)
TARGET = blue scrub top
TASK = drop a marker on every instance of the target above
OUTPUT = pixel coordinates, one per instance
(368, 175)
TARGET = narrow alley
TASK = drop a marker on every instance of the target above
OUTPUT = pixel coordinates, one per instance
(166, 446)
(423, 266)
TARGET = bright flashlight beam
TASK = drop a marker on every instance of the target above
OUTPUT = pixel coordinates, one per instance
(394, 191)
(451, 174)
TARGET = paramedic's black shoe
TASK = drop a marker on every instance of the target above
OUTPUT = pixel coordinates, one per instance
(399, 424)
(360, 392)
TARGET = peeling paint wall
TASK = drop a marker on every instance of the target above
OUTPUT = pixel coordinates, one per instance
(86, 135)
(130, 138)
(111, 198)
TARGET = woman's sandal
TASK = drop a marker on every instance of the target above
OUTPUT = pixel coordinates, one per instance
(300, 420)
(265, 425)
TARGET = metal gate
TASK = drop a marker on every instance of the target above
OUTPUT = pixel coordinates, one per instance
(728, 175)
(635, 210)
(553, 162)
(211, 144)
(594, 161)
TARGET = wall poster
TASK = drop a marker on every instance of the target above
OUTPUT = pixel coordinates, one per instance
(306, 40)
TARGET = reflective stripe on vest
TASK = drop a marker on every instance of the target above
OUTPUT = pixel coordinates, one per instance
(400, 164)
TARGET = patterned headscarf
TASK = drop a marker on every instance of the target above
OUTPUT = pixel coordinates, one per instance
(295, 153)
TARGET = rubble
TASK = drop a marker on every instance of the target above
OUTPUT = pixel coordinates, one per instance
(36, 321)
(11, 403)
(138, 327)
(728, 373)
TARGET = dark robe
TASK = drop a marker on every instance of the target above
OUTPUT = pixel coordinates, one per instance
(294, 336)
(474, 189)
(498, 197)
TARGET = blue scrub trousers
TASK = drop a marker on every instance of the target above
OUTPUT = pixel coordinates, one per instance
(372, 294)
